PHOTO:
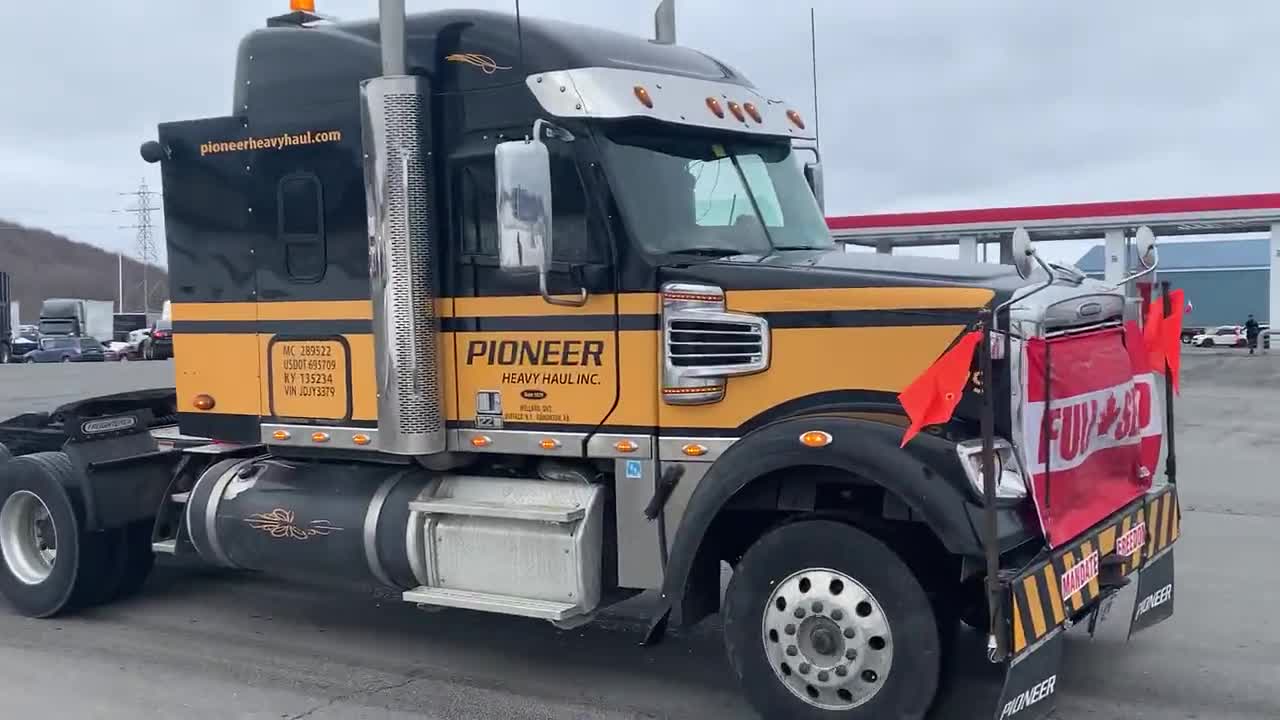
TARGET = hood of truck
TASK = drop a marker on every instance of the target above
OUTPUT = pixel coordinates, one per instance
(848, 330)
(818, 269)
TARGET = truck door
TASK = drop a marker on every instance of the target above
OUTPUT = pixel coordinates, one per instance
(523, 367)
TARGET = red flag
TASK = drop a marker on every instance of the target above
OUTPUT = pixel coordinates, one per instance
(932, 397)
(1171, 336)
(1153, 333)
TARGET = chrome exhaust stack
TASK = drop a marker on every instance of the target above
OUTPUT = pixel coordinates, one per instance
(396, 136)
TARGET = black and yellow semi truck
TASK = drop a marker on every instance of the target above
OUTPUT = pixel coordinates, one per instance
(525, 317)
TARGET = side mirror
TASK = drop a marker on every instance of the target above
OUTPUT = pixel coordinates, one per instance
(523, 174)
(522, 169)
(1148, 256)
(813, 176)
(1022, 252)
(1146, 242)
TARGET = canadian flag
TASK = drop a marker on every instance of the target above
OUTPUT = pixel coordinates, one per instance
(1091, 427)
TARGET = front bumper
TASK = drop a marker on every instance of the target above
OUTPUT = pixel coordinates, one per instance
(1066, 585)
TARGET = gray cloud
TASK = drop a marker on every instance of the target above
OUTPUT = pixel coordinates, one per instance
(925, 105)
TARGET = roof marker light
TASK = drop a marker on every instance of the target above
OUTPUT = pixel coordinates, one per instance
(715, 107)
(642, 94)
(754, 112)
(736, 109)
(795, 119)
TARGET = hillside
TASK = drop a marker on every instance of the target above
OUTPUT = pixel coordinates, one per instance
(43, 265)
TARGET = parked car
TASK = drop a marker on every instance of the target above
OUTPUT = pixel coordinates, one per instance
(117, 351)
(66, 349)
(25, 339)
(158, 344)
(1221, 336)
(1190, 333)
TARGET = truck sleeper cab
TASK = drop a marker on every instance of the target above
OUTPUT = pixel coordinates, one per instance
(546, 320)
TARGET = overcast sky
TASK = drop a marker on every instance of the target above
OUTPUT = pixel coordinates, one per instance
(924, 105)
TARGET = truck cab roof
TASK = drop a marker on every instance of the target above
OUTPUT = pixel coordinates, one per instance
(460, 50)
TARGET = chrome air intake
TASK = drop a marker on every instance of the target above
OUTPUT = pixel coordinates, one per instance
(397, 173)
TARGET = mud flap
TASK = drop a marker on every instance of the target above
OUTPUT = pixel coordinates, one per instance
(1030, 682)
(1153, 603)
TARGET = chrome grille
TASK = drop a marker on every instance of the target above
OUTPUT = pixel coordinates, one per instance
(704, 344)
(696, 343)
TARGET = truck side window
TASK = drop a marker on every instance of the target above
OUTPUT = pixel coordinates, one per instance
(571, 236)
(301, 227)
(477, 211)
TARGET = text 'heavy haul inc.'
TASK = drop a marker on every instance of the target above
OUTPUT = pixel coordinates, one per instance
(517, 323)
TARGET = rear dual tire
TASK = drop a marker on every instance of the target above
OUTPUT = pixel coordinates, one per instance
(48, 564)
(824, 622)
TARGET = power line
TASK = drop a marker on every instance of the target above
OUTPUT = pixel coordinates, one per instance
(146, 245)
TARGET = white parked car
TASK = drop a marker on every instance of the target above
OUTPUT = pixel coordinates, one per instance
(1221, 336)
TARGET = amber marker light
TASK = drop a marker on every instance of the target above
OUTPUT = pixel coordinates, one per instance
(302, 5)
(795, 119)
(281, 435)
(715, 107)
(815, 439)
(360, 439)
(625, 446)
(203, 402)
(754, 112)
(642, 94)
(694, 450)
(481, 441)
(736, 109)
(320, 437)
(548, 443)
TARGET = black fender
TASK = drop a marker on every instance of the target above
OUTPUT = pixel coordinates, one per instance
(926, 476)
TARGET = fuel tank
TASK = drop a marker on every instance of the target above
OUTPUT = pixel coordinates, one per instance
(338, 520)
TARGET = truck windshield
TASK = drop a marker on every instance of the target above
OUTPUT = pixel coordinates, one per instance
(713, 195)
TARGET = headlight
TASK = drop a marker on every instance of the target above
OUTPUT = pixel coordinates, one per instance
(1010, 484)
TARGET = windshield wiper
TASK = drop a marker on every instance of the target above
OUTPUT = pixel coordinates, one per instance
(707, 251)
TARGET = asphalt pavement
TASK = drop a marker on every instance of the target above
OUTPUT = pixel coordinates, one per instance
(206, 644)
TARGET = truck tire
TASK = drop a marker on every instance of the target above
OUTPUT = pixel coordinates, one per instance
(49, 565)
(822, 620)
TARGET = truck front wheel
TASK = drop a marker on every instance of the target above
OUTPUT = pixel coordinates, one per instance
(822, 620)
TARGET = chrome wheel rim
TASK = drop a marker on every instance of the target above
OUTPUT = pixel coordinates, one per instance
(28, 538)
(827, 639)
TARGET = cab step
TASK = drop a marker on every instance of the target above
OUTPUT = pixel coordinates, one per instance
(482, 508)
(494, 603)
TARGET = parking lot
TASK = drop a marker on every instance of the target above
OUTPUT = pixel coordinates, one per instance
(201, 644)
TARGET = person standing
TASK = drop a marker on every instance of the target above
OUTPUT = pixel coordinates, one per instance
(1251, 331)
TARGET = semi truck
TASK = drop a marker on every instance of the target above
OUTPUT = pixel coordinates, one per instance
(123, 323)
(523, 317)
(78, 317)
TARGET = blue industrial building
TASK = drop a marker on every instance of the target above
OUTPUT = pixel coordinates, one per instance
(1224, 280)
